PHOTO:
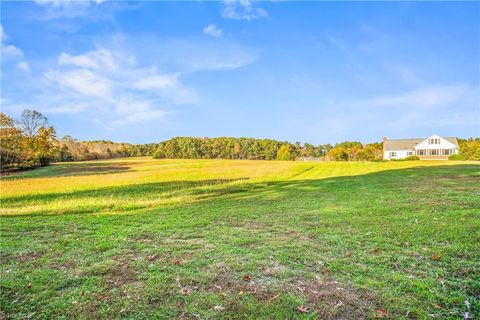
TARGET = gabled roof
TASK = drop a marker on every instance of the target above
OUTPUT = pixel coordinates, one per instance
(452, 140)
(409, 144)
(401, 144)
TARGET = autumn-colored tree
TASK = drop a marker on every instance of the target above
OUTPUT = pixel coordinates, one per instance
(338, 154)
(42, 146)
(11, 153)
(285, 153)
(470, 148)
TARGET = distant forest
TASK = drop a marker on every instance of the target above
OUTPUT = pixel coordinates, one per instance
(31, 141)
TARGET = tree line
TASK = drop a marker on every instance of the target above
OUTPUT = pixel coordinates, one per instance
(31, 141)
(469, 149)
(263, 149)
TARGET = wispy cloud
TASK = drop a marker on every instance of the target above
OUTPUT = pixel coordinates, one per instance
(242, 10)
(212, 30)
(194, 54)
(9, 52)
(431, 97)
(425, 109)
(115, 85)
(77, 9)
(112, 85)
(24, 66)
(66, 3)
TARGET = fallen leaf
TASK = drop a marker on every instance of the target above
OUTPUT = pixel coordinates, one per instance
(186, 291)
(152, 257)
(436, 257)
(176, 261)
(381, 313)
(273, 298)
(218, 308)
(302, 309)
(437, 305)
(247, 277)
(347, 254)
(29, 285)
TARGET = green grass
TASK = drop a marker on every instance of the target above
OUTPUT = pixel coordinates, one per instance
(212, 239)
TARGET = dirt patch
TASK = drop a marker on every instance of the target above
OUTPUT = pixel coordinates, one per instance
(334, 300)
(63, 266)
(225, 283)
(120, 274)
(329, 299)
(30, 257)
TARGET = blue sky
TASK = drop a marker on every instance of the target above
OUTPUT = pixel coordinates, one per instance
(318, 72)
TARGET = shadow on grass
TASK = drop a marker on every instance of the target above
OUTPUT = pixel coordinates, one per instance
(371, 184)
(164, 190)
(71, 169)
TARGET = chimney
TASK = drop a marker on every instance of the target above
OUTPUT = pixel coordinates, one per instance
(383, 143)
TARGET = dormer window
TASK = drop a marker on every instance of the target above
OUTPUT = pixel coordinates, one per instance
(434, 141)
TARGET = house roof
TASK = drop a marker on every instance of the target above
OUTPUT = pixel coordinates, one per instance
(409, 144)
(401, 144)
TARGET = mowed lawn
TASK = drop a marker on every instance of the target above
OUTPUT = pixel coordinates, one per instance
(212, 239)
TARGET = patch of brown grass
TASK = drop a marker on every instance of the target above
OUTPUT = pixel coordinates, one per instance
(329, 299)
(120, 274)
(30, 257)
(334, 300)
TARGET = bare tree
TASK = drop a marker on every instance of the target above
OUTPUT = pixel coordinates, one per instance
(31, 121)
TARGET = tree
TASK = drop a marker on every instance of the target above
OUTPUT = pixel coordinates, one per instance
(308, 150)
(285, 152)
(338, 154)
(470, 148)
(31, 122)
(44, 146)
(11, 153)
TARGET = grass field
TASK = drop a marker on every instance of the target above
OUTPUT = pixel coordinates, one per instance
(210, 239)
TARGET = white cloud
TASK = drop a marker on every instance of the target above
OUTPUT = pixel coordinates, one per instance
(80, 81)
(24, 66)
(158, 82)
(95, 60)
(126, 80)
(66, 3)
(212, 30)
(73, 9)
(10, 51)
(426, 109)
(242, 10)
(110, 85)
(426, 97)
(2, 35)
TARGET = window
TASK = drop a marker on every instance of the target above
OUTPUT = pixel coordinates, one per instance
(409, 153)
(421, 152)
(434, 141)
(393, 154)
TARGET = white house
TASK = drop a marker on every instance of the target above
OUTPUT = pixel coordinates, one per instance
(434, 147)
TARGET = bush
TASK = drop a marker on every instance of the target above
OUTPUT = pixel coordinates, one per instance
(456, 157)
(409, 158)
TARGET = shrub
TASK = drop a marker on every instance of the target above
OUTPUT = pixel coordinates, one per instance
(409, 158)
(456, 157)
